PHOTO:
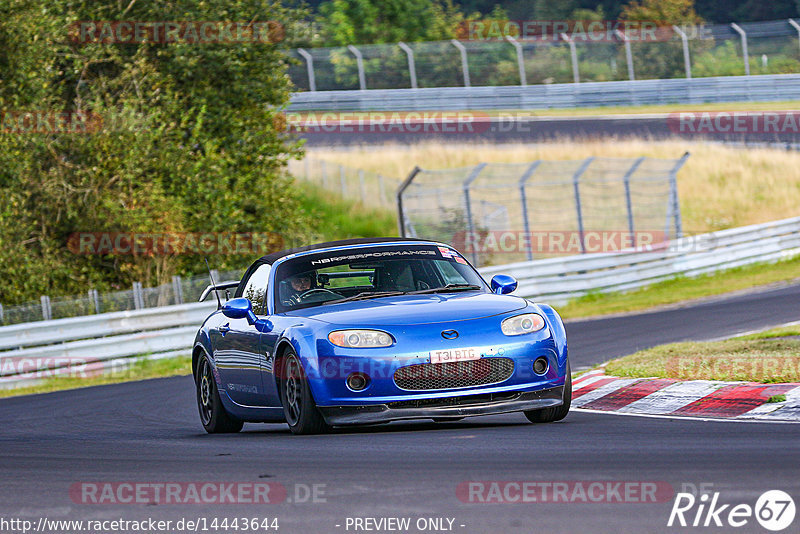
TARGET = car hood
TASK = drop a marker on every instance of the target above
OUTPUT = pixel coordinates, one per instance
(414, 309)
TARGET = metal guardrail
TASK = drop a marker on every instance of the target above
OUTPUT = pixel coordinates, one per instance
(96, 340)
(763, 88)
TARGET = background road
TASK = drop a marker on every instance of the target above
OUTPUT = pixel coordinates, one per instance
(149, 432)
(509, 128)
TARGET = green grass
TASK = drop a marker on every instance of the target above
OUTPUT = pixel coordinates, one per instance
(770, 357)
(682, 289)
(776, 398)
(337, 218)
(138, 370)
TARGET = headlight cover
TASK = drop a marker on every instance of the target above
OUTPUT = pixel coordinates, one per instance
(522, 324)
(357, 339)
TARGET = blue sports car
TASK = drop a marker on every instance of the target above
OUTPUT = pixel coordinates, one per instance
(368, 331)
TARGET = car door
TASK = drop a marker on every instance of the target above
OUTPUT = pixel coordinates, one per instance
(238, 355)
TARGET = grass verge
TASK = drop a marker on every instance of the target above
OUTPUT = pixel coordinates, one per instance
(335, 217)
(769, 357)
(138, 370)
(682, 289)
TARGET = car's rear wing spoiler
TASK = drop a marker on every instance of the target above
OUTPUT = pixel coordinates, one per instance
(218, 287)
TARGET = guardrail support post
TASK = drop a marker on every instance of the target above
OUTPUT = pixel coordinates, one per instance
(576, 178)
(743, 35)
(177, 288)
(470, 224)
(523, 198)
(628, 53)
(401, 217)
(520, 60)
(312, 82)
(362, 80)
(573, 53)
(628, 204)
(412, 68)
(687, 64)
(675, 206)
(464, 64)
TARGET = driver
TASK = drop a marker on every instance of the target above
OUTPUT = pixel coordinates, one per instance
(300, 283)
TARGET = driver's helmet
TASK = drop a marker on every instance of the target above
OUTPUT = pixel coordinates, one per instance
(302, 282)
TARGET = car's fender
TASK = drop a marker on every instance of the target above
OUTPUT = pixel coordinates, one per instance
(557, 328)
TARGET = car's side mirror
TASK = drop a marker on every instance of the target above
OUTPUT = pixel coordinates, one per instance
(503, 283)
(241, 308)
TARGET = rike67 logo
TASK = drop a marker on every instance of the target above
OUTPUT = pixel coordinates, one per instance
(774, 510)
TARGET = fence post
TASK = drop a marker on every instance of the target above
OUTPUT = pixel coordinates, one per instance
(464, 64)
(687, 64)
(412, 68)
(523, 197)
(1, 314)
(520, 60)
(796, 27)
(628, 53)
(628, 204)
(673, 192)
(324, 169)
(138, 300)
(401, 218)
(381, 189)
(177, 288)
(94, 296)
(343, 180)
(743, 35)
(47, 312)
(306, 166)
(361, 185)
(573, 53)
(312, 82)
(362, 80)
(576, 178)
(470, 224)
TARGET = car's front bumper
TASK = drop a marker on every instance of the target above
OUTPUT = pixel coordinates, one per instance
(448, 407)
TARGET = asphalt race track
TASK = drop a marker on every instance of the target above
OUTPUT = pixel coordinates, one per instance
(510, 128)
(149, 432)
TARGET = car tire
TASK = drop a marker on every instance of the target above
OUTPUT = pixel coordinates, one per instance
(556, 413)
(299, 408)
(212, 413)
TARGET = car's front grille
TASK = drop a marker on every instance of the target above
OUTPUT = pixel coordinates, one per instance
(453, 375)
(466, 400)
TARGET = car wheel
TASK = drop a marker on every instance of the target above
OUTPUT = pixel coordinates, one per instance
(212, 414)
(556, 413)
(299, 407)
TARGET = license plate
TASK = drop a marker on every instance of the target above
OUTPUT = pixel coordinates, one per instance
(455, 355)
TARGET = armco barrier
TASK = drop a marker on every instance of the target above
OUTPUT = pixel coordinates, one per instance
(761, 88)
(170, 330)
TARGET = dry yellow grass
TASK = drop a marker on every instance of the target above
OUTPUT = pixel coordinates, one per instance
(720, 186)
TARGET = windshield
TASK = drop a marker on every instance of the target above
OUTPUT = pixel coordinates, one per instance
(371, 273)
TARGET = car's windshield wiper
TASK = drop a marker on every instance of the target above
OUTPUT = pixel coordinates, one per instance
(367, 295)
(447, 288)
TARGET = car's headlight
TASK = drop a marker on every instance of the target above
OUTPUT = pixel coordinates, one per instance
(353, 339)
(522, 324)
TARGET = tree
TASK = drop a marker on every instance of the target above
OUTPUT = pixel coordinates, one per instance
(188, 141)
